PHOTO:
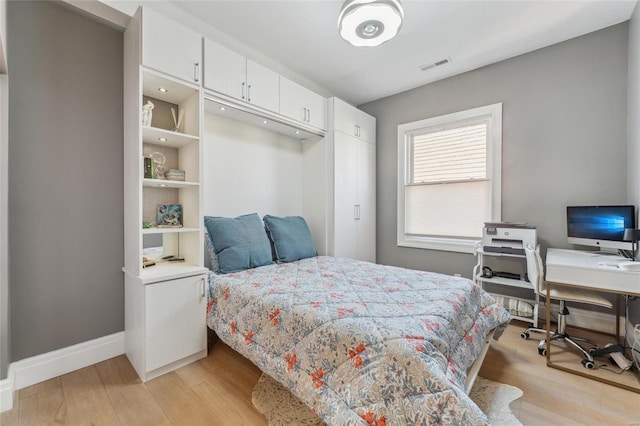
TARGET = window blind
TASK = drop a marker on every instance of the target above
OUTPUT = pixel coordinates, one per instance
(449, 155)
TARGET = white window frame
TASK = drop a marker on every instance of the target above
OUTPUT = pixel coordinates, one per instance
(494, 173)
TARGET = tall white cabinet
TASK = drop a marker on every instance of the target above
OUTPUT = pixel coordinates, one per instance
(165, 304)
(354, 189)
(340, 184)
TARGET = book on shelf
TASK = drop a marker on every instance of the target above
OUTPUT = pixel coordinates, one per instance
(149, 168)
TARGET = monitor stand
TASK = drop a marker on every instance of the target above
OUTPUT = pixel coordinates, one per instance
(608, 252)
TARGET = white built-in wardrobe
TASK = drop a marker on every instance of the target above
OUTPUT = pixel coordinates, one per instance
(340, 184)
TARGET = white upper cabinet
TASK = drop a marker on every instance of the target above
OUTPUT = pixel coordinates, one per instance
(353, 121)
(225, 71)
(263, 86)
(170, 47)
(302, 104)
(234, 75)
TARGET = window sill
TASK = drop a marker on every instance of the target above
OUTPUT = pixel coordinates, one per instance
(459, 245)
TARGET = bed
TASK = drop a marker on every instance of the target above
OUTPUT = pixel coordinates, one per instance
(360, 343)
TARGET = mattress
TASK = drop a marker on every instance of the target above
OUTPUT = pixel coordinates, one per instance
(360, 343)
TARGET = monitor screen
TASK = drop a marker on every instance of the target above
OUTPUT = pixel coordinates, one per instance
(600, 226)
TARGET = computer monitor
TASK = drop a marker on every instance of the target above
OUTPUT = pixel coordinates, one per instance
(600, 226)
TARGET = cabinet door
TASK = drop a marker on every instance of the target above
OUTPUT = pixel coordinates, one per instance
(263, 86)
(302, 104)
(366, 201)
(352, 121)
(317, 109)
(344, 117)
(170, 47)
(345, 194)
(225, 71)
(176, 320)
(366, 126)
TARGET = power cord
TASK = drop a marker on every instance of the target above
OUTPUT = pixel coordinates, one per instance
(606, 368)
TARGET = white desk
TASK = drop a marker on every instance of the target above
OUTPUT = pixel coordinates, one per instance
(591, 271)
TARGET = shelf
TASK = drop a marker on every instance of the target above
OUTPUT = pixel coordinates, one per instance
(157, 136)
(165, 183)
(506, 281)
(169, 230)
(176, 92)
(168, 271)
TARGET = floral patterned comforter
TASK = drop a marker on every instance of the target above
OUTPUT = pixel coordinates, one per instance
(358, 342)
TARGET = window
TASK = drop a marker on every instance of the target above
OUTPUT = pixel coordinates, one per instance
(449, 172)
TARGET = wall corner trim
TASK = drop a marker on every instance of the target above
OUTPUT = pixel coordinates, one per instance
(39, 368)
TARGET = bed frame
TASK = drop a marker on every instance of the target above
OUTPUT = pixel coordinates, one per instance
(472, 374)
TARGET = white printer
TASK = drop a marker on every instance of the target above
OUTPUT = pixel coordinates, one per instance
(506, 237)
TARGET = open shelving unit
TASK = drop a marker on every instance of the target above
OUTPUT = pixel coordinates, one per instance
(182, 150)
(508, 282)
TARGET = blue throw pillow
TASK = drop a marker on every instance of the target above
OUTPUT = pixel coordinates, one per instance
(239, 243)
(291, 238)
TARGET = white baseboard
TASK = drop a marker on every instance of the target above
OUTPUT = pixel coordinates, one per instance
(39, 368)
(603, 322)
(6, 391)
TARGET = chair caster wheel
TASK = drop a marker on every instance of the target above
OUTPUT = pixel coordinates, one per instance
(587, 364)
(524, 335)
(542, 351)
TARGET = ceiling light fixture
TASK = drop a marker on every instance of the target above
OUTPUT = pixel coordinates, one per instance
(370, 22)
(162, 89)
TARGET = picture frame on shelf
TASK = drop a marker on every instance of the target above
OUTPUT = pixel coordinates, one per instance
(169, 216)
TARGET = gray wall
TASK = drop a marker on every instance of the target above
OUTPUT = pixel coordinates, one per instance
(65, 178)
(564, 138)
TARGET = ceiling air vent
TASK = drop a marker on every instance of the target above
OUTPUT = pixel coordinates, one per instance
(435, 64)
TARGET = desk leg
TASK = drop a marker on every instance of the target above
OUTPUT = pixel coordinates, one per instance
(547, 314)
(618, 305)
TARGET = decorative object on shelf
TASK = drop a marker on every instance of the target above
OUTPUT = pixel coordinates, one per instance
(370, 22)
(149, 168)
(147, 113)
(147, 225)
(169, 216)
(177, 122)
(159, 161)
(175, 174)
(146, 262)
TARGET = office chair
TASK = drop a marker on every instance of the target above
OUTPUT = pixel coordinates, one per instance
(535, 271)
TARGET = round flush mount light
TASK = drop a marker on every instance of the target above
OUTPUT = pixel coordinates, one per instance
(370, 22)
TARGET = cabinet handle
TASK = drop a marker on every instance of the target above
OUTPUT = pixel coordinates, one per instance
(356, 211)
(243, 84)
(249, 93)
(196, 72)
(304, 114)
(357, 130)
(203, 288)
(308, 115)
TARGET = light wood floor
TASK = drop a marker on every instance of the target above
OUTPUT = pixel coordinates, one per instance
(217, 391)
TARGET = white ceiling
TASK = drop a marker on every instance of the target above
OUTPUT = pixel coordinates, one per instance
(302, 36)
